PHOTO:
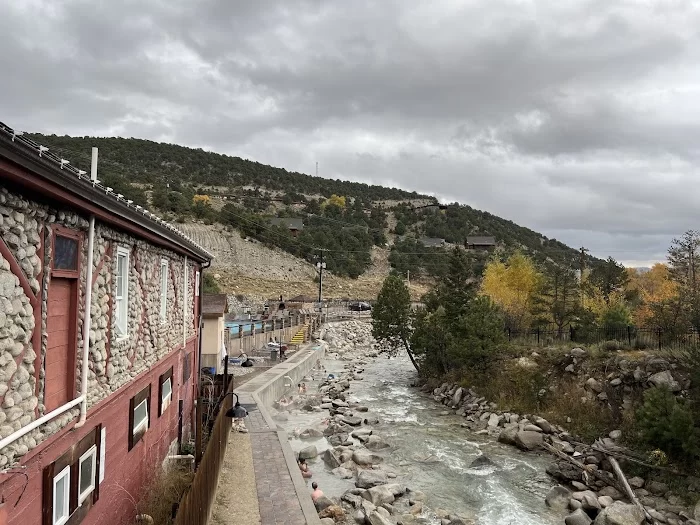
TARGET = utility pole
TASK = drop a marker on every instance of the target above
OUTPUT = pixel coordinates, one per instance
(321, 265)
(408, 277)
(582, 268)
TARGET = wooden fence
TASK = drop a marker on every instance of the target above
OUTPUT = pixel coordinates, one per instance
(196, 505)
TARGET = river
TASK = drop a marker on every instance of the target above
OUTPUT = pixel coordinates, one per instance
(511, 493)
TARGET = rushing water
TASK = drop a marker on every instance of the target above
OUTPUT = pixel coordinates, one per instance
(433, 454)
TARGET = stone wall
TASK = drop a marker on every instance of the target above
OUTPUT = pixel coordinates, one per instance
(26, 229)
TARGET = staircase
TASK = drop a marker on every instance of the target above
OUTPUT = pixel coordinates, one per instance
(300, 336)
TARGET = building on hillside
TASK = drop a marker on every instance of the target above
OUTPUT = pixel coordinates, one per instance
(432, 242)
(293, 225)
(99, 317)
(214, 309)
(480, 243)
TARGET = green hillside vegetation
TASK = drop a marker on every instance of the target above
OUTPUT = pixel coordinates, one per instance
(344, 219)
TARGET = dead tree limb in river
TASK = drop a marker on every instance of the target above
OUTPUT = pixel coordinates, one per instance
(628, 490)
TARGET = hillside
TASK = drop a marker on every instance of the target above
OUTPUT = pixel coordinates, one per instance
(227, 204)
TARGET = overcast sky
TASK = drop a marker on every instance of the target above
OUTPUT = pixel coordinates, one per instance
(580, 120)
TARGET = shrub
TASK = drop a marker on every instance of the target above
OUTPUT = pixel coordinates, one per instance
(667, 423)
(166, 489)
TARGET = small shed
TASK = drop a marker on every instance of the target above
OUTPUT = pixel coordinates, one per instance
(432, 242)
(480, 243)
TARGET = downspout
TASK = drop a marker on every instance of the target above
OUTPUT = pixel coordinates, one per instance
(198, 424)
(87, 317)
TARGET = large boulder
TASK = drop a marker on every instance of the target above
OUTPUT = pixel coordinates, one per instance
(331, 459)
(376, 443)
(308, 452)
(366, 479)
(529, 440)
(376, 518)
(379, 495)
(578, 517)
(323, 502)
(558, 497)
(507, 435)
(310, 433)
(665, 379)
(482, 462)
(335, 512)
(620, 514)
(365, 458)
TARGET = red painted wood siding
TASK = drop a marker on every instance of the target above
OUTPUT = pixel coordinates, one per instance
(61, 347)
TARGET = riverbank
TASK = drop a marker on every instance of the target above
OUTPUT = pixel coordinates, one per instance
(431, 449)
(381, 452)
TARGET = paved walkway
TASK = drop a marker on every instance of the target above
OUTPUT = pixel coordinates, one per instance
(279, 495)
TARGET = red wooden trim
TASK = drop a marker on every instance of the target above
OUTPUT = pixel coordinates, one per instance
(38, 311)
(17, 270)
(101, 263)
(31, 182)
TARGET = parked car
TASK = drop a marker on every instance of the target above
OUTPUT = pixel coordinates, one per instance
(360, 307)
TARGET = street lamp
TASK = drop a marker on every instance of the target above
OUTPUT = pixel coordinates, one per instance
(236, 411)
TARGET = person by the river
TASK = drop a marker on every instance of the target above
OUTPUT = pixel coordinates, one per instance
(305, 472)
(317, 493)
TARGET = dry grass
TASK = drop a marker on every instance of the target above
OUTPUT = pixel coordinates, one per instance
(163, 493)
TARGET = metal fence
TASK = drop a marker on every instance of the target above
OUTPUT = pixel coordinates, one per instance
(196, 504)
(632, 336)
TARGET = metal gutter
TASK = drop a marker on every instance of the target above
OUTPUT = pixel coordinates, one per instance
(50, 169)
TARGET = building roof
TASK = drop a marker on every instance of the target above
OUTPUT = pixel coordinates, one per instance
(431, 241)
(481, 241)
(289, 223)
(214, 303)
(59, 180)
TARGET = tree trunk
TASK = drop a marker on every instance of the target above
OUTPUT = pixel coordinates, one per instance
(410, 354)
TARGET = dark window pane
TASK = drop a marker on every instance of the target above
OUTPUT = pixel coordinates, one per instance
(66, 256)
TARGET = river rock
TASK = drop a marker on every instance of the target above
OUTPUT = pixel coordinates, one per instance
(636, 482)
(327, 521)
(416, 497)
(590, 504)
(657, 488)
(594, 385)
(323, 502)
(366, 479)
(379, 495)
(482, 462)
(376, 443)
(308, 452)
(339, 403)
(611, 492)
(458, 521)
(396, 489)
(364, 458)
(310, 433)
(527, 440)
(338, 439)
(507, 435)
(665, 379)
(376, 518)
(620, 514)
(335, 512)
(330, 459)
(578, 352)
(578, 517)
(605, 501)
(352, 420)
(558, 497)
(343, 473)
(543, 424)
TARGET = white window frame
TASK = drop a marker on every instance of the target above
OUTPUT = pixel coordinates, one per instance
(166, 399)
(144, 422)
(121, 306)
(163, 291)
(65, 473)
(196, 284)
(90, 455)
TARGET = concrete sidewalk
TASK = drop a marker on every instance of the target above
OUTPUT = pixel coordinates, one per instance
(283, 498)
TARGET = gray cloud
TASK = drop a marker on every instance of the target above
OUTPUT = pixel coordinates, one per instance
(576, 119)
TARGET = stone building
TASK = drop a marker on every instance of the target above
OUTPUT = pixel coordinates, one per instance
(99, 326)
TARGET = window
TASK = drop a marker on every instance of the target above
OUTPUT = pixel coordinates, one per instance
(139, 410)
(87, 467)
(163, 290)
(70, 485)
(166, 391)
(65, 253)
(196, 284)
(61, 495)
(121, 305)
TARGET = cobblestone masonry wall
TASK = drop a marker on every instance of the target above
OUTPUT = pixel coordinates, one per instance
(25, 227)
